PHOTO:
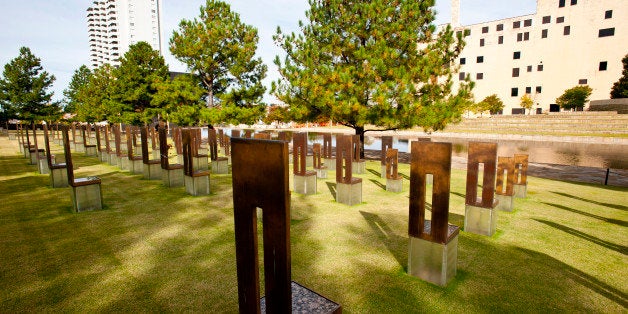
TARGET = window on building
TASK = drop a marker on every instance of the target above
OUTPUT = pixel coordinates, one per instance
(608, 14)
(544, 33)
(500, 27)
(560, 19)
(526, 36)
(605, 32)
(538, 89)
(603, 65)
(574, 2)
(500, 40)
(529, 90)
(479, 76)
(463, 60)
(561, 3)
(515, 72)
(527, 23)
(567, 30)
(481, 42)
(516, 55)
(461, 76)
(529, 68)
(484, 29)
(516, 24)
(547, 19)
(519, 36)
(582, 81)
(514, 92)
(480, 59)
(539, 68)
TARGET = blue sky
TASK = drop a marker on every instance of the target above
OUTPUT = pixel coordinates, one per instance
(56, 31)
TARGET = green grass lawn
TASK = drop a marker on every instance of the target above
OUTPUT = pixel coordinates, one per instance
(157, 249)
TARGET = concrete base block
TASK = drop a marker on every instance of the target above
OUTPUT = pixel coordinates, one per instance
(358, 167)
(43, 166)
(12, 137)
(394, 185)
(112, 158)
(123, 163)
(197, 185)
(86, 197)
(152, 171)
(349, 194)
(305, 184)
(103, 156)
(155, 154)
(26, 153)
(33, 158)
(220, 166)
(59, 178)
(79, 147)
(433, 262)
(200, 163)
(321, 173)
(172, 178)
(180, 159)
(480, 220)
(91, 151)
(521, 190)
(137, 150)
(136, 166)
(505, 202)
(330, 163)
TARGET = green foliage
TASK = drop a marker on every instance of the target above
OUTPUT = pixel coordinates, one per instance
(491, 104)
(371, 63)
(24, 89)
(620, 88)
(179, 100)
(79, 79)
(93, 97)
(574, 97)
(526, 102)
(141, 69)
(220, 49)
(277, 114)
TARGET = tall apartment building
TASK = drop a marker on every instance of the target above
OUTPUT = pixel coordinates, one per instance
(564, 44)
(114, 25)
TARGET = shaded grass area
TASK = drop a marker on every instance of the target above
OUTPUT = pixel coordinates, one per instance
(154, 248)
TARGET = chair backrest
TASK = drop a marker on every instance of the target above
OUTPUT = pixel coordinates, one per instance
(129, 141)
(97, 128)
(163, 147)
(387, 142)
(47, 145)
(212, 143)
(327, 145)
(144, 139)
(35, 141)
(344, 158)
(299, 153)
(486, 154)
(68, 154)
(187, 139)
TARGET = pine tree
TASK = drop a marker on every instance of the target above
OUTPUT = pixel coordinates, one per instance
(141, 68)
(79, 79)
(24, 89)
(180, 100)
(94, 97)
(220, 49)
(375, 63)
(620, 88)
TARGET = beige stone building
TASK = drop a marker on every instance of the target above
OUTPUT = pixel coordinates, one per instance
(564, 44)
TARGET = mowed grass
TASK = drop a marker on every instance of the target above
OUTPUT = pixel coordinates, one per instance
(157, 249)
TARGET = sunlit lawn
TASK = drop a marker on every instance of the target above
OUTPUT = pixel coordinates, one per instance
(154, 248)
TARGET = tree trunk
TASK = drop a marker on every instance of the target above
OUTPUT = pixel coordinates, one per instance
(359, 130)
(210, 97)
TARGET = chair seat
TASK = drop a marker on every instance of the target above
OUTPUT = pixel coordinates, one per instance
(59, 166)
(200, 156)
(353, 181)
(174, 166)
(136, 158)
(200, 173)
(85, 181)
(89, 145)
(221, 158)
(153, 162)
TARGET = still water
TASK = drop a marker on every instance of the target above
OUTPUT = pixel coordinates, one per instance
(564, 153)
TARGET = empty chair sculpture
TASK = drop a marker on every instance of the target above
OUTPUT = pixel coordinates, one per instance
(317, 161)
(329, 160)
(136, 165)
(196, 181)
(359, 164)
(86, 192)
(394, 183)
(521, 175)
(504, 192)
(387, 142)
(220, 165)
(152, 167)
(480, 214)
(348, 188)
(171, 174)
(304, 180)
(58, 173)
(90, 149)
(39, 154)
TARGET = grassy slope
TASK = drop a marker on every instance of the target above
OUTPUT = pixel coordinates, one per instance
(158, 249)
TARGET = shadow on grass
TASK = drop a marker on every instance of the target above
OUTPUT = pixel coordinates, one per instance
(616, 206)
(582, 278)
(612, 246)
(403, 175)
(609, 220)
(332, 188)
(377, 173)
(458, 194)
(394, 243)
(379, 184)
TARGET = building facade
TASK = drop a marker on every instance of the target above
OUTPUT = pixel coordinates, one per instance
(114, 25)
(564, 44)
